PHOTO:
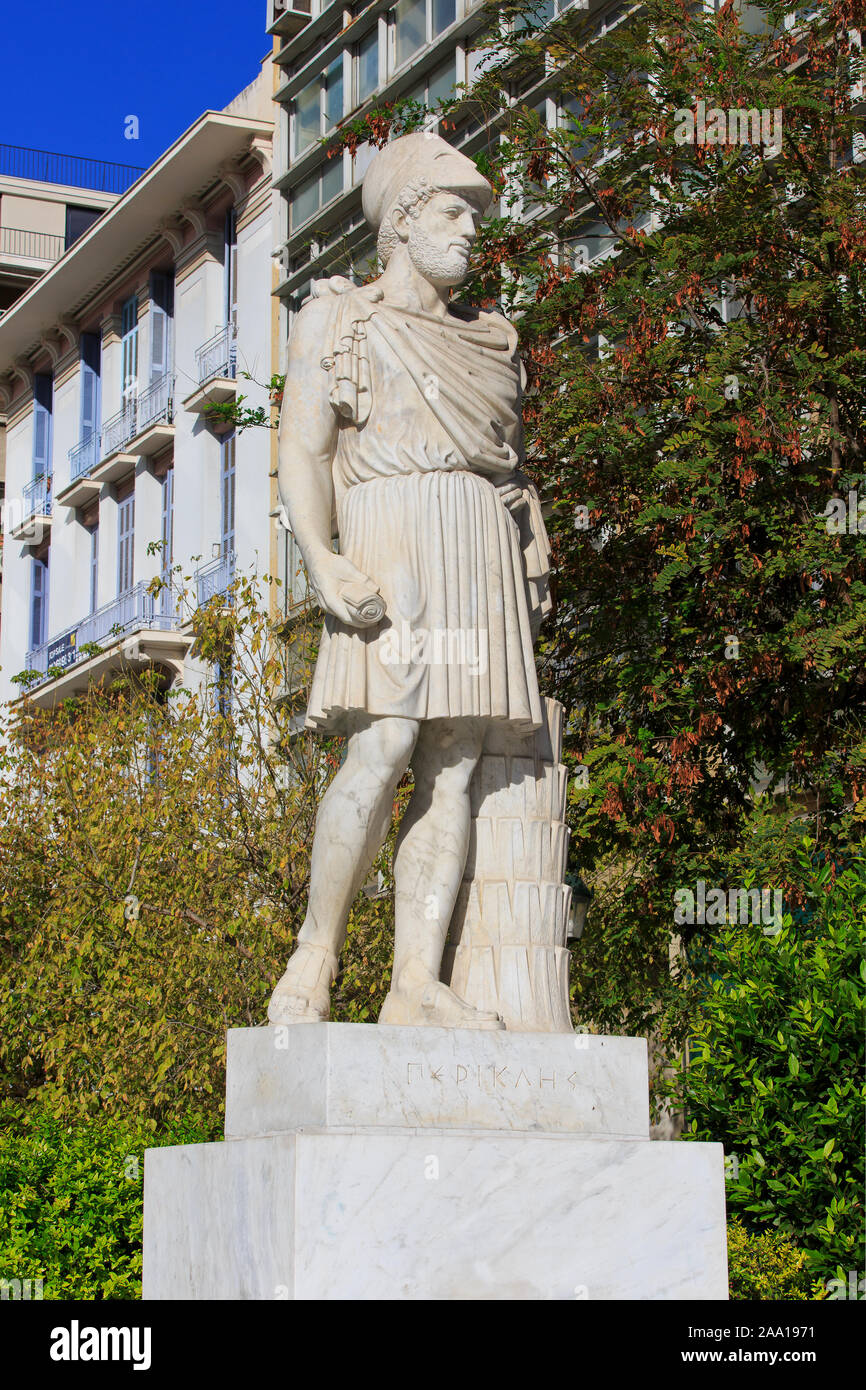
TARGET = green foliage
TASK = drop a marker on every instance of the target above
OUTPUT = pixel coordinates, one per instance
(768, 1266)
(696, 384)
(71, 1200)
(775, 1067)
(154, 862)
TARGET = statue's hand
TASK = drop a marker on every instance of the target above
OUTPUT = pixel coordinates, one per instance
(511, 492)
(346, 593)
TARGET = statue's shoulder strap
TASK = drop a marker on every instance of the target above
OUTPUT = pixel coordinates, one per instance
(345, 358)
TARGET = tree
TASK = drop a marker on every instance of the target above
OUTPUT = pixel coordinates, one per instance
(154, 857)
(775, 1068)
(689, 284)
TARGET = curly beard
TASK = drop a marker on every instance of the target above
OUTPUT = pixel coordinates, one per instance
(441, 265)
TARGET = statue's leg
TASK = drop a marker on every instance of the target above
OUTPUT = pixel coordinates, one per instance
(428, 869)
(351, 825)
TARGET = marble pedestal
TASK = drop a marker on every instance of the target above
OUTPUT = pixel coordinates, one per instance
(368, 1162)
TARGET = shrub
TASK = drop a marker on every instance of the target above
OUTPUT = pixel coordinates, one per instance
(71, 1200)
(775, 1070)
(768, 1266)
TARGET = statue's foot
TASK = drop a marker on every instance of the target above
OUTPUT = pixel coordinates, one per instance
(303, 994)
(434, 1004)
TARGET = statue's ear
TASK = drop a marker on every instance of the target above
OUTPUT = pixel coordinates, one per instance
(399, 220)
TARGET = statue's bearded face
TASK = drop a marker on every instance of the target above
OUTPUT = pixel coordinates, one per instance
(441, 236)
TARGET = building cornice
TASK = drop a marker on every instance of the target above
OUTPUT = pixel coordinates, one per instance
(128, 228)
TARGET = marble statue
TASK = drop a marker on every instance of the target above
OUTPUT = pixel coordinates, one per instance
(401, 434)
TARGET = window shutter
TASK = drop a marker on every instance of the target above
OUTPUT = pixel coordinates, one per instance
(94, 567)
(125, 534)
(39, 604)
(161, 308)
(231, 266)
(42, 394)
(129, 332)
(228, 495)
(90, 366)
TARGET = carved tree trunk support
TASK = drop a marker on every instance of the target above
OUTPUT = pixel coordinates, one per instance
(506, 947)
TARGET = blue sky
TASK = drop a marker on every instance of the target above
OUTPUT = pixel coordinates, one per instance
(71, 71)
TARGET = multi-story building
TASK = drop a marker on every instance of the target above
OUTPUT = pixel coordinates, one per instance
(46, 202)
(108, 363)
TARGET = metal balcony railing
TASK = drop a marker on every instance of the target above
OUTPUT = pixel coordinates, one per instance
(118, 430)
(42, 166)
(129, 611)
(156, 403)
(84, 457)
(31, 246)
(214, 578)
(218, 356)
(37, 497)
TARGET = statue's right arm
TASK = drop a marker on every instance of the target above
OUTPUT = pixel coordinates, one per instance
(308, 436)
(307, 441)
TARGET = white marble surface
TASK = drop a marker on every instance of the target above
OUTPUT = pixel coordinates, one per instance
(345, 1075)
(435, 1216)
(401, 430)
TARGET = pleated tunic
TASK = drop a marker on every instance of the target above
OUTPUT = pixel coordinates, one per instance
(429, 416)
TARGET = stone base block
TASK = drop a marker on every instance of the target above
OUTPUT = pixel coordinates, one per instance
(353, 1076)
(435, 1215)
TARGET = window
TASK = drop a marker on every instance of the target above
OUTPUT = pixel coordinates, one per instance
(94, 566)
(443, 13)
(316, 192)
(307, 117)
(91, 359)
(167, 537)
(227, 495)
(39, 602)
(222, 688)
(437, 86)
(43, 405)
(161, 310)
(362, 160)
(167, 509)
(594, 241)
(129, 344)
(230, 265)
(77, 222)
(367, 67)
(541, 13)
(409, 29)
(125, 540)
(333, 94)
(318, 107)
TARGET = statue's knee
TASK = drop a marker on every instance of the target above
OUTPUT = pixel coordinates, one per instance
(392, 745)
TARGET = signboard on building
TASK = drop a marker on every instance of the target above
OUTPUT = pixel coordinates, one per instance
(63, 651)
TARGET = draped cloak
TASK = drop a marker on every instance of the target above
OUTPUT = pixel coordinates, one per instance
(429, 412)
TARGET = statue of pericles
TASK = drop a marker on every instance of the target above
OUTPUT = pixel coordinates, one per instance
(401, 418)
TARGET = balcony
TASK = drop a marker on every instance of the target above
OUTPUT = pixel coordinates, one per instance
(217, 371)
(83, 460)
(31, 251)
(143, 427)
(154, 422)
(42, 166)
(214, 578)
(288, 17)
(135, 630)
(116, 434)
(30, 520)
